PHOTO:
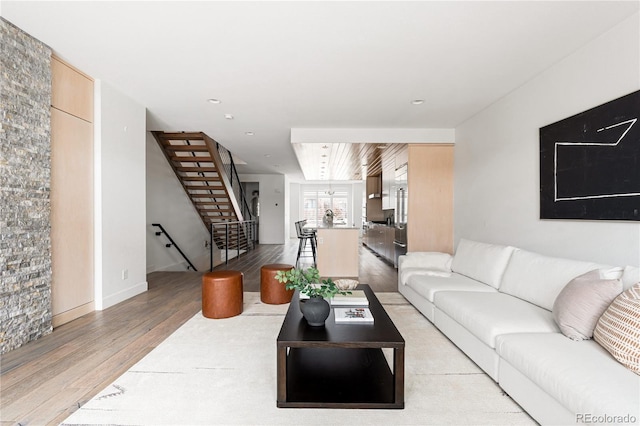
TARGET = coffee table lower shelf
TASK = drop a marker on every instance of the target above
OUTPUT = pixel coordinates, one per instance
(338, 378)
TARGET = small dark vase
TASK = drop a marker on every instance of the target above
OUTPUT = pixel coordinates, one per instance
(315, 310)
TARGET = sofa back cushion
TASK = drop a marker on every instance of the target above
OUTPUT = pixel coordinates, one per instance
(539, 279)
(581, 303)
(480, 261)
(426, 259)
(630, 276)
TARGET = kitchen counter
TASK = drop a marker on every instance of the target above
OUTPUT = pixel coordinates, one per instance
(323, 226)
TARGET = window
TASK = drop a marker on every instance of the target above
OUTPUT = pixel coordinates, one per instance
(316, 202)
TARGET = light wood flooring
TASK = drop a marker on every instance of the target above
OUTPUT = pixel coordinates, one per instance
(44, 381)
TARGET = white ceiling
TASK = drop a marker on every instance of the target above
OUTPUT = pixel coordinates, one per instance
(282, 65)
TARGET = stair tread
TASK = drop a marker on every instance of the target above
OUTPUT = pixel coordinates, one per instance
(191, 159)
(196, 169)
(186, 148)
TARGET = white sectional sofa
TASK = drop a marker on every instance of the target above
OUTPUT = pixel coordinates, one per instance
(495, 303)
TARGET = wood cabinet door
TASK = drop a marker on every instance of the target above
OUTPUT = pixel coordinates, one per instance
(430, 204)
(72, 239)
(71, 216)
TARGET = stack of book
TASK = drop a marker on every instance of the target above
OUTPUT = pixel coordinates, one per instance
(356, 298)
(352, 308)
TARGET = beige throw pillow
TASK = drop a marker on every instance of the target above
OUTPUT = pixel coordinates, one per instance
(580, 304)
(618, 329)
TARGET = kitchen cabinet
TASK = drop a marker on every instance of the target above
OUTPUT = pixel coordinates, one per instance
(374, 203)
(388, 183)
(389, 248)
(430, 202)
(402, 157)
(379, 238)
(72, 242)
(373, 186)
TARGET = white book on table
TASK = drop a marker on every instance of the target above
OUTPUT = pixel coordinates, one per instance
(353, 315)
(356, 298)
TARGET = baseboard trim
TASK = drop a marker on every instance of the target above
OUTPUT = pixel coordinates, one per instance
(71, 314)
(125, 294)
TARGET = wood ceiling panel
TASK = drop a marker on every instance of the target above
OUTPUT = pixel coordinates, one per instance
(344, 161)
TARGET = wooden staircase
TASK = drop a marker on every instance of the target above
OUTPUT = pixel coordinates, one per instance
(205, 170)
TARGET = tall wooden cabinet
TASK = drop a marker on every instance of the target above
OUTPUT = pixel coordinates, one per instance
(430, 209)
(72, 288)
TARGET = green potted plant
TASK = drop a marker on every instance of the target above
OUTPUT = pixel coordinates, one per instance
(307, 281)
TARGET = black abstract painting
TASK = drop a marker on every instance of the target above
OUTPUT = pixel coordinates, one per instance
(590, 163)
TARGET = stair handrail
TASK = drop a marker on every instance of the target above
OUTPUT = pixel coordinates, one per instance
(219, 164)
(248, 228)
(232, 173)
(173, 243)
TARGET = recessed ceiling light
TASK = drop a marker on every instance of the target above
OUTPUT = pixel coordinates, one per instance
(267, 155)
(228, 116)
(324, 155)
(417, 101)
(214, 101)
(249, 133)
(276, 165)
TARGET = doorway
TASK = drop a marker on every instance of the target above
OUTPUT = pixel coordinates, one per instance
(251, 192)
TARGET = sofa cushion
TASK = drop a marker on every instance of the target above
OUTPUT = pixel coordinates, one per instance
(487, 315)
(539, 279)
(427, 259)
(581, 303)
(428, 286)
(480, 261)
(405, 274)
(618, 329)
(581, 375)
(630, 276)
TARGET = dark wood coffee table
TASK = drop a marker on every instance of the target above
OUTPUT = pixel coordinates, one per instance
(339, 365)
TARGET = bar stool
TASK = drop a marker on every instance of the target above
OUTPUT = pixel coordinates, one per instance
(222, 294)
(303, 237)
(273, 291)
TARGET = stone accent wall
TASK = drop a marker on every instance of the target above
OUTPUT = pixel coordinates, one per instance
(25, 150)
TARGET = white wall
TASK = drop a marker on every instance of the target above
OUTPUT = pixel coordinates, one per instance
(272, 206)
(295, 198)
(168, 204)
(120, 197)
(497, 155)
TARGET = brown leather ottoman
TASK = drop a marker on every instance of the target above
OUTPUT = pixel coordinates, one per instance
(222, 294)
(273, 291)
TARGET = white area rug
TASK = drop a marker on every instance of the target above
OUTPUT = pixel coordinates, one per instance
(224, 372)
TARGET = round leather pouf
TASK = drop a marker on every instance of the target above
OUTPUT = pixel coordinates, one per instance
(273, 291)
(222, 294)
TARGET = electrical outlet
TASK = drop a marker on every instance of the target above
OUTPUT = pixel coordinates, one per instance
(320, 240)
(125, 274)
